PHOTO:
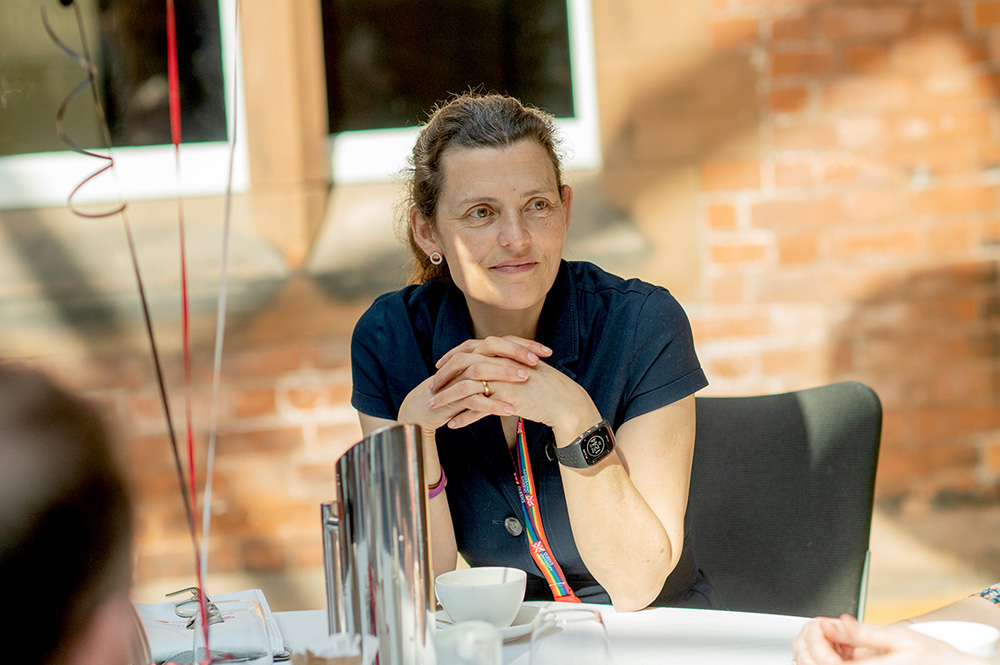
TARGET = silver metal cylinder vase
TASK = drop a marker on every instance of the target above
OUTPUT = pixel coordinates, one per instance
(376, 547)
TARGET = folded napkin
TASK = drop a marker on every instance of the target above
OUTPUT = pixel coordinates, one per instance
(169, 635)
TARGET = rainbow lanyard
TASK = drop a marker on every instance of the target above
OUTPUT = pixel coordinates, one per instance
(537, 542)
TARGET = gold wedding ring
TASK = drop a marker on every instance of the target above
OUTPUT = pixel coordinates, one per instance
(486, 389)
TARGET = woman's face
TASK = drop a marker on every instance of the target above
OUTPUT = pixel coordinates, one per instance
(501, 224)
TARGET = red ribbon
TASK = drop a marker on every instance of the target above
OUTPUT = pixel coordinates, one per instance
(173, 75)
(174, 86)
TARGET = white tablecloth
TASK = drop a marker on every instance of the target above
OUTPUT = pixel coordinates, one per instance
(660, 635)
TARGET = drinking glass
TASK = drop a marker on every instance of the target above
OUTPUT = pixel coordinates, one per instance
(241, 636)
(569, 635)
(469, 643)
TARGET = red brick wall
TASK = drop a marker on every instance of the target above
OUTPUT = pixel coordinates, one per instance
(847, 156)
(283, 420)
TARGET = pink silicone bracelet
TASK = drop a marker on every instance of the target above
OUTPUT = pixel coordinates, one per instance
(438, 487)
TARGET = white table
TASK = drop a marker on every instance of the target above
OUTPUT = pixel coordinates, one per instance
(660, 635)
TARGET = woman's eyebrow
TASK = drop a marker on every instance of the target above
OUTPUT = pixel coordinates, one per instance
(492, 200)
(476, 200)
(539, 192)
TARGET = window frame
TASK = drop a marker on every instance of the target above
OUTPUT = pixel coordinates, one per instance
(46, 179)
(378, 155)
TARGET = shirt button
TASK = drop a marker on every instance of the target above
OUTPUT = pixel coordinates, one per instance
(513, 526)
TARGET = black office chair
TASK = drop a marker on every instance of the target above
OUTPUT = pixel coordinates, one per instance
(781, 498)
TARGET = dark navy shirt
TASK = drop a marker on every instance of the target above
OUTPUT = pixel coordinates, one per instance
(628, 343)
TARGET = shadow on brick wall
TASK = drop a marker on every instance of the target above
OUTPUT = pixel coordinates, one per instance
(929, 344)
(46, 285)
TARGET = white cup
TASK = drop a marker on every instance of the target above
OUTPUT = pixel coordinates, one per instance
(469, 643)
(490, 594)
(976, 639)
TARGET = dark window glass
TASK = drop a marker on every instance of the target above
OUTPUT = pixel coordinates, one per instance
(128, 44)
(389, 61)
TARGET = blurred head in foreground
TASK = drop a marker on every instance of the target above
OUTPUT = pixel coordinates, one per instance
(65, 527)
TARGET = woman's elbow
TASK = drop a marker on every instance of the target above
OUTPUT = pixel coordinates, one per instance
(639, 596)
(633, 601)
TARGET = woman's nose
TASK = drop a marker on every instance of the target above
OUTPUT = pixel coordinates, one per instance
(513, 230)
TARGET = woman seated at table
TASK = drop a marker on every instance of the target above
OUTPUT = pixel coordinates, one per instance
(581, 478)
(65, 529)
(826, 641)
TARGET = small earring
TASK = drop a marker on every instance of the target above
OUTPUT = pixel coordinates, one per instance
(436, 258)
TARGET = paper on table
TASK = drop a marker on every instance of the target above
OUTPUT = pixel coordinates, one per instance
(168, 633)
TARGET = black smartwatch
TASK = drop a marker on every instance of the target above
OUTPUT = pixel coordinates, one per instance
(588, 449)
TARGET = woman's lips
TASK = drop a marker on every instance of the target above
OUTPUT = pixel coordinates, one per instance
(515, 267)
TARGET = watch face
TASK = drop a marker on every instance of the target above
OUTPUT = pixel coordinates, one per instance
(595, 447)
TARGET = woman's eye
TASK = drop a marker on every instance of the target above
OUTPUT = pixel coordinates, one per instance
(538, 205)
(480, 213)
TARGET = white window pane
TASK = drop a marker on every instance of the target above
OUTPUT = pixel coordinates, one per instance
(126, 40)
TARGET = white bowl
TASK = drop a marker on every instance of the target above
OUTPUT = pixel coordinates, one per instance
(490, 594)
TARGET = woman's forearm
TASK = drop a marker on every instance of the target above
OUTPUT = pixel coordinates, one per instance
(443, 551)
(622, 542)
(973, 608)
(627, 511)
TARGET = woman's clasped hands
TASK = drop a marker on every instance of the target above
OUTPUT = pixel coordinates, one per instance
(509, 368)
(470, 370)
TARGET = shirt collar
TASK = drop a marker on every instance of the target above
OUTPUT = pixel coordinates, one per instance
(558, 324)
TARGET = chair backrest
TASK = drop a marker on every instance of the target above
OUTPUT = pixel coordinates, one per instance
(781, 498)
